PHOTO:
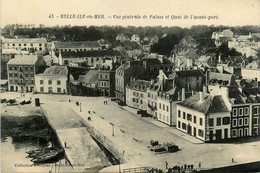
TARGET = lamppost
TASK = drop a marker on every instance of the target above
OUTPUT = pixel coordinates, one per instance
(113, 134)
(119, 165)
(80, 106)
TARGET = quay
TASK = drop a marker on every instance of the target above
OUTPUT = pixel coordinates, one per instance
(127, 135)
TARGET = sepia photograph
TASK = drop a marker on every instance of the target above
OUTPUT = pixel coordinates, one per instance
(120, 86)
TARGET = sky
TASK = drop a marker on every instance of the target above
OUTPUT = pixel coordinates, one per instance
(183, 13)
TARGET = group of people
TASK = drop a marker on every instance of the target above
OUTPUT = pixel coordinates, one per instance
(105, 102)
(180, 169)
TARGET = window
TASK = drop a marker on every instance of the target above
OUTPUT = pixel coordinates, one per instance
(234, 133)
(26, 75)
(235, 112)
(179, 124)
(41, 81)
(40, 44)
(24, 44)
(58, 82)
(32, 68)
(255, 122)
(201, 121)
(148, 94)
(41, 89)
(59, 90)
(167, 108)
(26, 68)
(15, 75)
(246, 132)
(226, 120)
(189, 117)
(133, 93)
(200, 133)
(234, 122)
(10, 75)
(184, 115)
(133, 99)
(20, 45)
(100, 76)
(256, 110)
(163, 107)
(179, 113)
(137, 94)
(10, 68)
(240, 121)
(141, 101)
(194, 119)
(183, 126)
(211, 122)
(160, 106)
(141, 95)
(246, 121)
(218, 121)
(137, 100)
(240, 111)
(15, 68)
(32, 82)
(49, 82)
(246, 111)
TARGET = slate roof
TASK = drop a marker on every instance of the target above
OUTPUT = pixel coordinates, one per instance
(56, 71)
(83, 44)
(221, 79)
(90, 78)
(210, 104)
(23, 60)
(139, 85)
(25, 40)
(186, 73)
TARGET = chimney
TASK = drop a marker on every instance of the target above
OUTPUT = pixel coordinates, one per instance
(205, 89)
(183, 94)
(144, 64)
(219, 58)
(201, 96)
(178, 62)
(152, 81)
(160, 58)
(179, 95)
(189, 62)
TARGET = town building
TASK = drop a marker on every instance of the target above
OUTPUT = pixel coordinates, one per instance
(219, 37)
(21, 72)
(248, 45)
(77, 46)
(122, 38)
(106, 82)
(252, 71)
(204, 116)
(136, 94)
(123, 76)
(23, 45)
(90, 79)
(223, 112)
(152, 92)
(154, 62)
(135, 38)
(53, 80)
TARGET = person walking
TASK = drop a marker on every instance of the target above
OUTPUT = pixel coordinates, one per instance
(166, 165)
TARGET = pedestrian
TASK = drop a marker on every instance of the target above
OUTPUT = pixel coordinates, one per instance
(191, 167)
(188, 167)
(185, 166)
(232, 160)
(104, 102)
(65, 144)
(166, 165)
(199, 164)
